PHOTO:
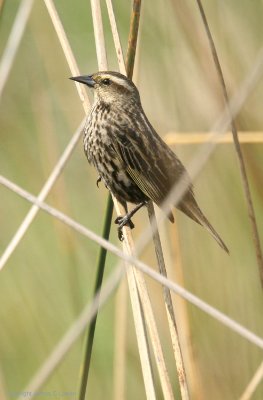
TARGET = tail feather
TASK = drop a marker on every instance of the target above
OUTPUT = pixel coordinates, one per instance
(192, 210)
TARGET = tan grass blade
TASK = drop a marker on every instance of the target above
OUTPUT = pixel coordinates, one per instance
(190, 138)
(41, 196)
(70, 337)
(177, 289)
(120, 329)
(140, 300)
(253, 384)
(63, 40)
(172, 249)
(169, 308)
(69, 149)
(242, 166)
(14, 41)
(116, 38)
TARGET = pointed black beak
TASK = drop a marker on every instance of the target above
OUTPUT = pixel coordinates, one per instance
(86, 79)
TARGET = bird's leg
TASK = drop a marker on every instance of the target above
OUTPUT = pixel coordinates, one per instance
(98, 181)
(126, 220)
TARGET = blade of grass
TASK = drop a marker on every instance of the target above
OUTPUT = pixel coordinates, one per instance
(14, 41)
(63, 40)
(120, 338)
(19, 234)
(185, 138)
(116, 38)
(202, 305)
(88, 346)
(172, 248)
(169, 307)
(140, 300)
(250, 206)
(253, 384)
(70, 337)
(41, 196)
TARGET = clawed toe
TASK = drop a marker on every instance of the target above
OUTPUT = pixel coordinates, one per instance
(126, 220)
(118, 220)
(122, 221)
(98, 181)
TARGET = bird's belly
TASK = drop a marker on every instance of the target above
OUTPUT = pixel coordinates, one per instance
(111, 170)
(117, 180)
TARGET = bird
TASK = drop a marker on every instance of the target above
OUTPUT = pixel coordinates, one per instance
(131, 159)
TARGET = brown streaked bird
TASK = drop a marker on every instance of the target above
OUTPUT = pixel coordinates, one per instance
(134, 163)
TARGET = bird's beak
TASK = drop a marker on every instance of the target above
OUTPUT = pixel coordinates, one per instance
(86, 79)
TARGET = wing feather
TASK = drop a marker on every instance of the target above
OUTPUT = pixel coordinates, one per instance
(150, 163)
(141, 165)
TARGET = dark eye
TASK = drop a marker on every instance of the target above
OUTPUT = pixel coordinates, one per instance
(106, 81)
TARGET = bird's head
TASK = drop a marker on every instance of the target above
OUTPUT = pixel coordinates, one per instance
(110, 87)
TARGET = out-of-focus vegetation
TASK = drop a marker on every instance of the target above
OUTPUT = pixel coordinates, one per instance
(50, 277)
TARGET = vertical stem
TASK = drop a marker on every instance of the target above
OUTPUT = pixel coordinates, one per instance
(133, 35)
(251, 212)
(91, 331)
(169, 306)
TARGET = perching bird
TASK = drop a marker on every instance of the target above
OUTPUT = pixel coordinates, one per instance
(134, 163)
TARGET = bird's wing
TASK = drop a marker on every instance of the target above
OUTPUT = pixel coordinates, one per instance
(142, 157)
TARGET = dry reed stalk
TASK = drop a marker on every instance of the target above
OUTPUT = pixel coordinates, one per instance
(41, 196)
(169, 307)
(245, 182)
(63, 40)
(116, 38)
(174, 265)
(141, 299)
(119, 363)
(253, 384)
(3, 391)
(190, 138)
(146, 269)
(14, 40)
(19, 234)
(70, 337)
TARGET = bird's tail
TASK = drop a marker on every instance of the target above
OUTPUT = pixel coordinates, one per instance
(192, 210)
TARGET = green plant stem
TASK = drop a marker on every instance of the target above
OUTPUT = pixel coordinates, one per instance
(91, 331)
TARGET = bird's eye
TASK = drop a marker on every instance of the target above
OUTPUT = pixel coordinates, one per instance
(106, 81)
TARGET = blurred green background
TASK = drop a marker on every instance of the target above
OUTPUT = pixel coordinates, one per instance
(50, 276)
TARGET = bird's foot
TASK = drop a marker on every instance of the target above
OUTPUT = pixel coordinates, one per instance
(123, 221)
(98, 181)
